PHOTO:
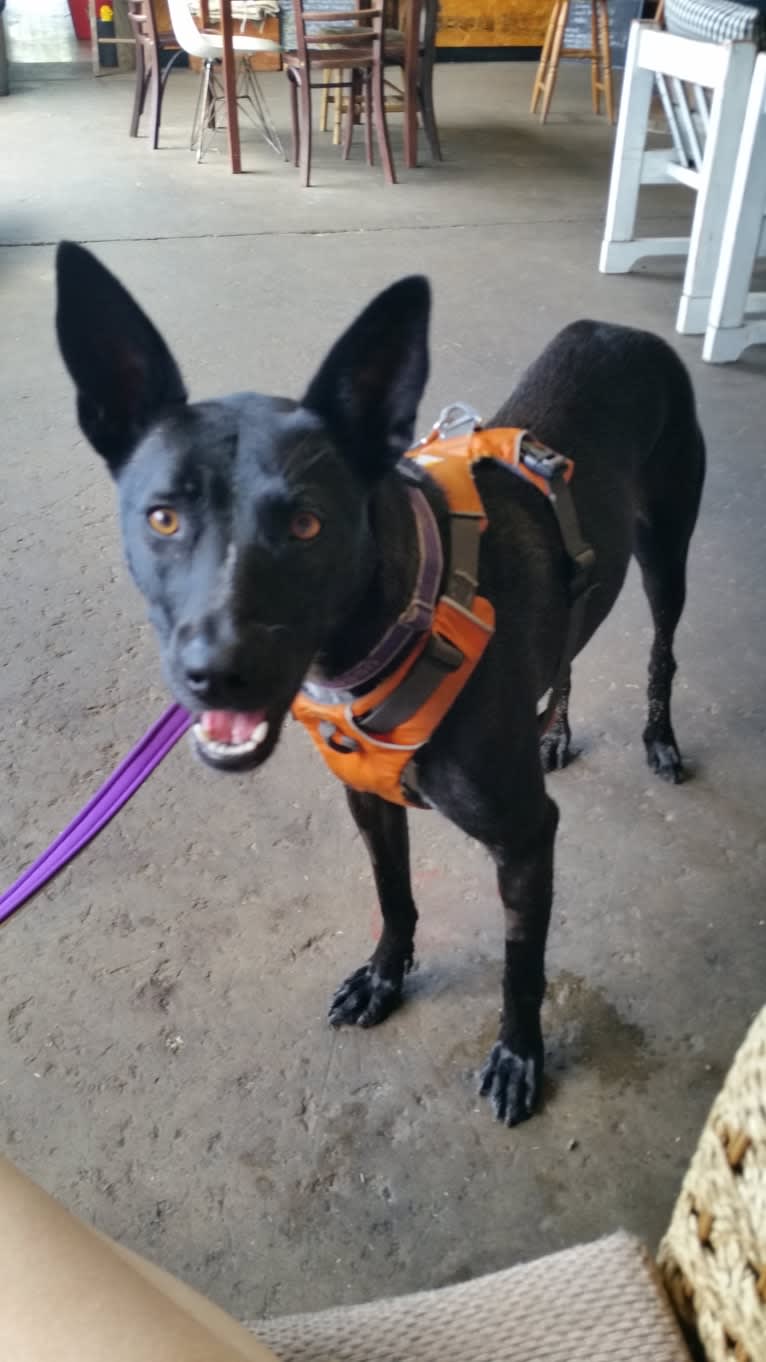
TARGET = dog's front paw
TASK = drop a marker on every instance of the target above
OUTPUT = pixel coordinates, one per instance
(365, 998)
(512, 1083)
(664, 759)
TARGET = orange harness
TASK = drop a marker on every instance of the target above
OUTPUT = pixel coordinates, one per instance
(369, 741)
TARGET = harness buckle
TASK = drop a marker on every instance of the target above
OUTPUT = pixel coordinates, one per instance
(338, 741)
(545, 464)
(459, 418)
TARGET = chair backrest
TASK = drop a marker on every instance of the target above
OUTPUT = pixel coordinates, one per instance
(355, 29)
(143, 21)
(424, 14)
(187, 34)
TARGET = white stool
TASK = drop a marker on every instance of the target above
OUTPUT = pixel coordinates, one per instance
(705, 131)
(730, 329)
(250, 97)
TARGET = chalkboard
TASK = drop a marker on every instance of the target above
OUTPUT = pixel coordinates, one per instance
(621, 16)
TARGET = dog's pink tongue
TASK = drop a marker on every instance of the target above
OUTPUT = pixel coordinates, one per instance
(221, 725)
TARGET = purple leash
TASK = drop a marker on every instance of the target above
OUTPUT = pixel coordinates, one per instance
(116, 791)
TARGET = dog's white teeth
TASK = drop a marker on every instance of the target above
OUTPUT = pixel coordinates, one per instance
(231, 749)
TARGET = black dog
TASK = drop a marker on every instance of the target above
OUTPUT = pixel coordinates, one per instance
(274, 539)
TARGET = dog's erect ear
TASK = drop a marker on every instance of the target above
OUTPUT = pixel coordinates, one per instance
(368, 389)
(123, 371)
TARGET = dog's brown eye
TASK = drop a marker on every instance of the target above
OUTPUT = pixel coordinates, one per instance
(164, 520)
(305, 525)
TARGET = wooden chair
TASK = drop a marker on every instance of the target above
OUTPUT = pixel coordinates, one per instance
(354, 55)
(150, 74)
(411, 46)
(598, 54)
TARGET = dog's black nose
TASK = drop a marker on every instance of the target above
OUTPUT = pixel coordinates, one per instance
(215, 686)
(210, 672)
(199, 683)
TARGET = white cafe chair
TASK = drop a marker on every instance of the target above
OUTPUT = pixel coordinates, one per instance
(250, 97)
(703, 86)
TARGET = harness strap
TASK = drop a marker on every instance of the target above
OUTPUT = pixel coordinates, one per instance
(552, 468)
(418, 613)
(440, 656)
(465, 542)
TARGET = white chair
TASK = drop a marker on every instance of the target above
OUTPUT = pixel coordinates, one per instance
(703, 87)
(250, 97)
(733, 324)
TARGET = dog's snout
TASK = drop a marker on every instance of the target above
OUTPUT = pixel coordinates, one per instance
(210, 668)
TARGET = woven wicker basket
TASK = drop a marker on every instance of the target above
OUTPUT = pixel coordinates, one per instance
(713, 1257)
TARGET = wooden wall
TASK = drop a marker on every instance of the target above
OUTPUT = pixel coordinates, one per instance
(493, 23)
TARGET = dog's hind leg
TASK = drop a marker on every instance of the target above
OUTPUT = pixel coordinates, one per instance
(375, 989)
(555, 742)
(663, 531)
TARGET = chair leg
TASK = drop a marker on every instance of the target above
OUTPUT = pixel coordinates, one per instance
(602, 24)
(337, 112)
(545, 56)
(625, 181)
(368, 120)
(207, 117)
(252, 93)
(727, 116)
(381, 124)
(155, 87)
(305, 129)
(139, 94)
(168, 67)
(296, 146)
(595, 59)
(426, 93)
(553, 62)
(196, 127)
(324, 107)
(350, 115)
(727, 332)
(410, 82)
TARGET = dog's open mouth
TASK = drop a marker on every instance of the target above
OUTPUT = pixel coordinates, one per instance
(234, 741)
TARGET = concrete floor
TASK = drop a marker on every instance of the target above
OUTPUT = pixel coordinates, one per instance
(166, 1066)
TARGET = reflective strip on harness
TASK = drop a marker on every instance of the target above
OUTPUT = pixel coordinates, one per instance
(369, 741)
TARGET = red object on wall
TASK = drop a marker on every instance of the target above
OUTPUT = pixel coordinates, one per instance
(81, 19)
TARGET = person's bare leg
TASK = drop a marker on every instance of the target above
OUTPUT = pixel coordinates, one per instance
(72, 1295)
